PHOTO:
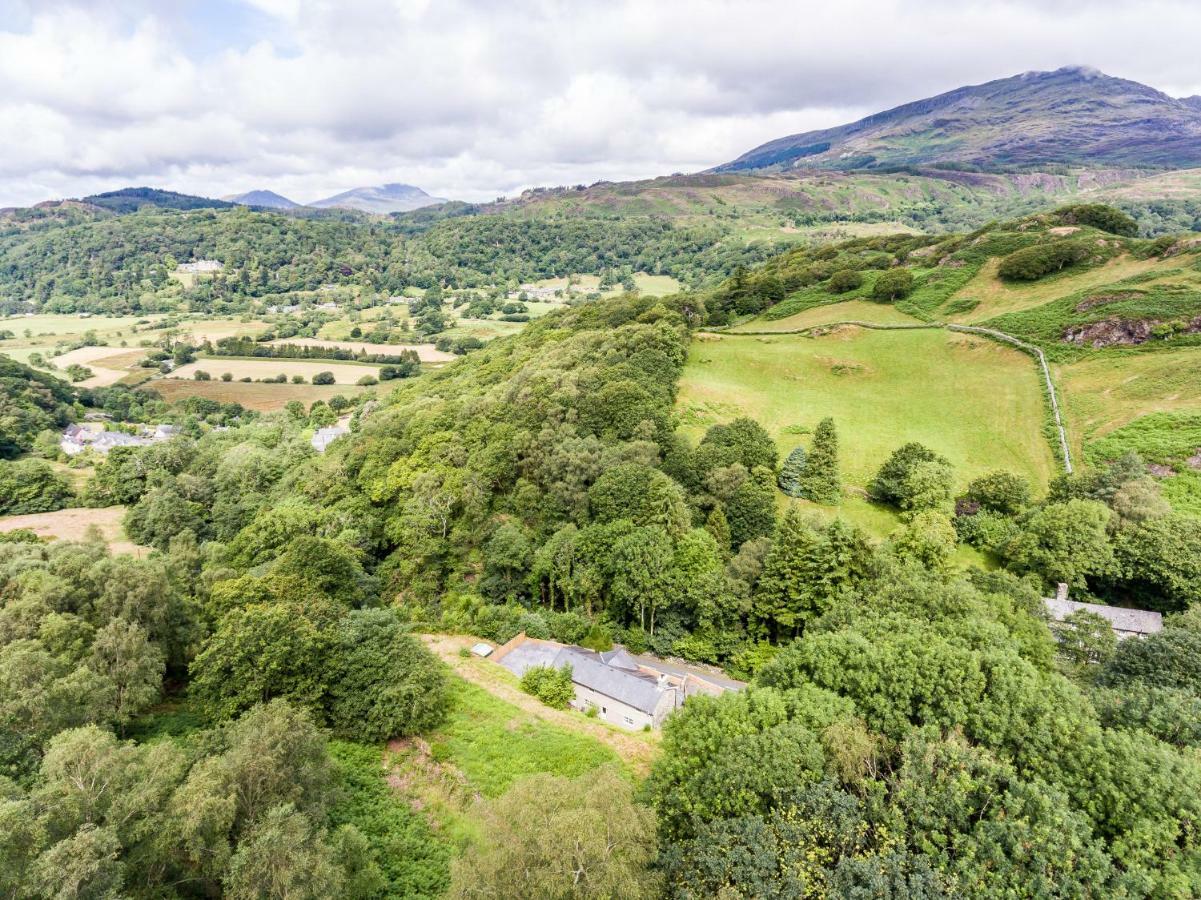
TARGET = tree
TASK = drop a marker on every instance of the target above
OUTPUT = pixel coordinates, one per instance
(1085, 638)
(283, 857)
(790, 473)
(818, 480)
(751, 509)
(1063, 542)
(893, 285)
(122, 653)
(742, 441)
(553, 686)
(323, 378)
(999, 492)
(385, 682)
(785, 596)
(914, 477)
(844, 280)
(561, 837)
(32, 486)
(927, 539)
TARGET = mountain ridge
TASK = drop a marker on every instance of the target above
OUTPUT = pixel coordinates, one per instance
(1071, 116)
(263, 198)
(380, 199)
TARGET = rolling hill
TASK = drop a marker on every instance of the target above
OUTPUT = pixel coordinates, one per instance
(265, 199)
(1072, 116)
(383, 199)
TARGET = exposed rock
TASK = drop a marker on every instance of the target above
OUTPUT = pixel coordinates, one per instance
(1121, 332)
(1160, 470)
(1194, 461)
(1105, 299)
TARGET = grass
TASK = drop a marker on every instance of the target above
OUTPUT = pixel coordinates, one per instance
(1166, 438)
(73, 525)
(345, 373)
(427, 352)
(843, 311)
(493, 743)
(976, 402)
(260, 397)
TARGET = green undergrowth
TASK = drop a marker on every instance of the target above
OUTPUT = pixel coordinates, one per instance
(414, 860)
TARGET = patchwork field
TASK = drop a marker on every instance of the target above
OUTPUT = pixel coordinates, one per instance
(345, 373)
(252, 395)
(73, 525)
(976, 402)
(426, 352)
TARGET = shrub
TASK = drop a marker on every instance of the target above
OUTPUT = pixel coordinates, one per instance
(1100, 216)
(227, 376)
(323, 378)
(367, 381)
(893, 285)
(844, 280)
(201, 375)
(1032, 263)
(550, 685)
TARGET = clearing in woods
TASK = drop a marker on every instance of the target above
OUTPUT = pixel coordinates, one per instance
(345, 373)
(73, 524)
(252, 395)
(977, 402)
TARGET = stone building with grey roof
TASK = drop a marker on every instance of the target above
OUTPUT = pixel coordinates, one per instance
(625, 690)
(1126, 623)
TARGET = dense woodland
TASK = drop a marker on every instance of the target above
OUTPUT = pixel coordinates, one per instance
(911, 729)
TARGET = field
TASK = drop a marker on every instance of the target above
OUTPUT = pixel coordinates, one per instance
(974, 401)
(426, 352)
(252, 395)
(73, 524)
(345, 373)
(651, 285)
(846, 311)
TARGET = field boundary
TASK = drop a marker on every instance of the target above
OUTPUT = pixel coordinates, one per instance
(1065, 451)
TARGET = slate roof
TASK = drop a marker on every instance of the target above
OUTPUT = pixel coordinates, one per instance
(642, 692)
(1130, 621)
(326, 436)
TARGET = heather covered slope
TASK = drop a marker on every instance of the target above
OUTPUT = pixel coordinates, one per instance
(1072, 116)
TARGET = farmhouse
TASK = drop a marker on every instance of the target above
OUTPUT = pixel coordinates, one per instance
(1126, 623)
(201, 267)
(77, 438)
(625, 690)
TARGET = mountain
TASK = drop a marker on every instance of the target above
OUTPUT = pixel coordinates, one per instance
(129, 200)
(386, 198)
(264, 199)
(1072, 116)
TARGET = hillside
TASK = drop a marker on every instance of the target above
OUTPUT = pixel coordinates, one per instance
(265, 199)
(1072, 116)
(386, 198)
(128, 200)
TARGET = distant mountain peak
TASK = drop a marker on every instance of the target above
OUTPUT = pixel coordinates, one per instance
(381, 199)
(263, 198)
(1075, 115)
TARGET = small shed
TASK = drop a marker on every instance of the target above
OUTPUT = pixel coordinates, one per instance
(481, 649)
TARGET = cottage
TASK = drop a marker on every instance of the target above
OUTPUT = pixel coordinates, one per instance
(625, 690)
(201, 267)
(1126, 623)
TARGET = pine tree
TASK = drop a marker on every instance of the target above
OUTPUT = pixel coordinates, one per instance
(784, 595)
(818, 480)
(790, 472)
(717, 526)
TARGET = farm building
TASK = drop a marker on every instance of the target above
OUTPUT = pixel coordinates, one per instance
(1126, 623)
(625, 690)
(201, 267)
(323, 437)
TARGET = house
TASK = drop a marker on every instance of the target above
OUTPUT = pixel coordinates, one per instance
(625, 690)
(77, 438)
(1126, 623)
(74, 439)
(201, 267)
(326, 436)
(163, 432)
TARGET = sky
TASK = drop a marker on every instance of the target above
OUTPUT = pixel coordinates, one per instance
(473, 100)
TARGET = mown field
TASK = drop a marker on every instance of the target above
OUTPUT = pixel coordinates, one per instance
(345, 373)
(252, 395)
(976, 402)
(74, 525)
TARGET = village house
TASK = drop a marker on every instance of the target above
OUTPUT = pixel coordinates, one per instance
(1126, 623)
(201, 267)
(323, 437)
(77, 438)
(625, 690)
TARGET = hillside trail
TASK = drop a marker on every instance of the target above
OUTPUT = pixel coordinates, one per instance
(636, 749)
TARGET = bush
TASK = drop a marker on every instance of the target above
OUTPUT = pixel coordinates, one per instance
(1033, 263)
(31, 486)
(323, 378)
(550, 685)
(201, 375)
(893, 285)
(367, 381)
(1100, 216)
(844, 280)
(227, 376)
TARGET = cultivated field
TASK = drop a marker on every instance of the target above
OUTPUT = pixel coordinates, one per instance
(73, 525)
(252, 395)
(345, 373)
(426, 352)
(974, 401)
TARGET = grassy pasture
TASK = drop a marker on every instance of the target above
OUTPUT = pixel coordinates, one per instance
(846, 311)
(73, 524)
(427, 352)
(252, 395)
(976, 402)
(345, 373)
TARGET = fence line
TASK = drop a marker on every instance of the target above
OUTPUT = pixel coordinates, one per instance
(1036, 352)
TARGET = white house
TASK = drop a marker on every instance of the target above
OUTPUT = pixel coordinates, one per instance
(323, 437)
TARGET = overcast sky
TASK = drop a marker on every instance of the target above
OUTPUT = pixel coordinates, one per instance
(471, 100)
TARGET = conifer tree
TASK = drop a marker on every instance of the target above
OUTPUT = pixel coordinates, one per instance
(790, 472)
(783, 597)
(717, 525)
(819, 477)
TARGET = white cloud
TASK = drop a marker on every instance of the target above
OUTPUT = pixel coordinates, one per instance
(470, 98)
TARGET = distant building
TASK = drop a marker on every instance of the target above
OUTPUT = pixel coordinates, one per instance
(1126, 623)
(625, 690)
(201, 267)
(326, 436)
(77, 438)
